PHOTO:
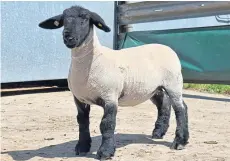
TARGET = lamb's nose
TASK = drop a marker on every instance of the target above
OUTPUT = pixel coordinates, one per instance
(70, 38)
(67, 36)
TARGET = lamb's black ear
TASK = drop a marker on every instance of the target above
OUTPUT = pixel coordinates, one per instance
(52, 23)
(99, 22)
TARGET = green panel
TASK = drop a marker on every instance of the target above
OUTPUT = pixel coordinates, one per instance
(204, 52)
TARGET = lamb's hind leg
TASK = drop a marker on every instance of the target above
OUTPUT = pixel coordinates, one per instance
(162, 101)
(180, 108)
(84, 142)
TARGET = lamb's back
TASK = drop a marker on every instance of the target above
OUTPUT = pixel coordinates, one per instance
(155, 55)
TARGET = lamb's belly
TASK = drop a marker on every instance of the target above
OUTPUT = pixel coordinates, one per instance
(134, 95)
(130, 101)
(139, 86)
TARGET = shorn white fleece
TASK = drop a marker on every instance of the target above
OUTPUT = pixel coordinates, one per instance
(128, 76)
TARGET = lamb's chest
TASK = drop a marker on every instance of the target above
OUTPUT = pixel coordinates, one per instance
(89, 85)
(81, 88)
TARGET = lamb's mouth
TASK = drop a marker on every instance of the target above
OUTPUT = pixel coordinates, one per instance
(71, 46)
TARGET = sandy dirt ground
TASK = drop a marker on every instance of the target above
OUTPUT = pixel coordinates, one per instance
(43, 127)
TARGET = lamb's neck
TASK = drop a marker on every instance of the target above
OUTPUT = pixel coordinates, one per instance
(88, 49)
(82, 57)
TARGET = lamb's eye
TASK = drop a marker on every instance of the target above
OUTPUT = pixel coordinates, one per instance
(82, 15)
(84, 21)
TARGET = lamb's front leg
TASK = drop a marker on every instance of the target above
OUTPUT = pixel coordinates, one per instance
(107, 127)
(84, 143)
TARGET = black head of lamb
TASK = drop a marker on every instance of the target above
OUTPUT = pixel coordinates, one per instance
(77, 22)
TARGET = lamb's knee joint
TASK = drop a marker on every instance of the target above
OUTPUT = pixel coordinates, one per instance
(107, 127)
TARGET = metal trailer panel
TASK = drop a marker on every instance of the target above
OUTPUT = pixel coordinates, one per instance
(29, 53)
(160, 11)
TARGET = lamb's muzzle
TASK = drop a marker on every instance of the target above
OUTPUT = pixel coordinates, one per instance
(111, 78)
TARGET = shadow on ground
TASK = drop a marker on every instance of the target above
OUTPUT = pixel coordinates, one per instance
(206, 98)
(66, 150)
(32, 91)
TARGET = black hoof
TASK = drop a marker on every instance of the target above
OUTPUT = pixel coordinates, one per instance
(83, 148)
(180, 142)
(177, 146)
(105, 153)
(157, 135)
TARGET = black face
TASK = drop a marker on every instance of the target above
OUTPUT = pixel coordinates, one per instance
(77, 22)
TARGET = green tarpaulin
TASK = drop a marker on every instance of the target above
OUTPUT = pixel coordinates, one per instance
(204, 52)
